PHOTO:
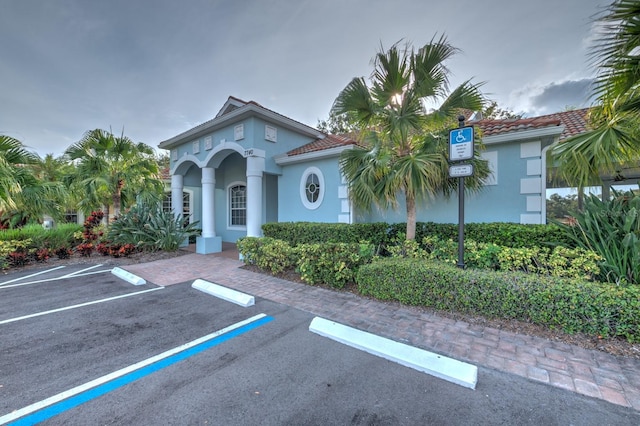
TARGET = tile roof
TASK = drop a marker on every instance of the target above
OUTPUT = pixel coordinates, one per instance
(574, 122)
(330, 141)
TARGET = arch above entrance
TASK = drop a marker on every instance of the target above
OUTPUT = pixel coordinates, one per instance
(213, 159)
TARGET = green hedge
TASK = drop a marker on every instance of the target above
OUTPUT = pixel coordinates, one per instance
(570, 305)
(499, 233)
(380, 234)
(296, 233)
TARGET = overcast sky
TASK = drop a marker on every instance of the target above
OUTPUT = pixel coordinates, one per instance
(159, 67)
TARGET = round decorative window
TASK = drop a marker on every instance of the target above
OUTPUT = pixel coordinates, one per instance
(312, 188)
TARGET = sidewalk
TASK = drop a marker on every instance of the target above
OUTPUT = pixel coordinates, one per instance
(588, 372)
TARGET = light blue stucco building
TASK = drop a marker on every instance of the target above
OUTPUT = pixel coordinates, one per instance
(250, 165)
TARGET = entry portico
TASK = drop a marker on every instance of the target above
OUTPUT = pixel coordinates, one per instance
(210, 242)
(229, 165)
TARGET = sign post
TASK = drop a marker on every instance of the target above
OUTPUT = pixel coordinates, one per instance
(460, 149)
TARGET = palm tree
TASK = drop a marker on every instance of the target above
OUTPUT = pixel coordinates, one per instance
(406, 154)
(614, 138)
(22, 194)
(111, 170)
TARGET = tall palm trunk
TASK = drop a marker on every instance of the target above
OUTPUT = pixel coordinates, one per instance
(117, 198)
(411, 217)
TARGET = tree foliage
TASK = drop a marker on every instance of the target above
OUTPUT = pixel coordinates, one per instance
(24, 195)
(614, 137)
(112, 171)
(559, 208)
(493, 112)
(406, 158)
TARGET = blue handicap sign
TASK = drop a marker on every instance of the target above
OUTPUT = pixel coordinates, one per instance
(461, 143)
(464, 134)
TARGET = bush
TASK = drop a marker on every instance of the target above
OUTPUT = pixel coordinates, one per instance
(148, 227)
(85, 249)
(18, 258)
(43, 254)
(269, 254)
(555, 261)
(601, 309)
(13, 252)
(63, 252)
(334, 264)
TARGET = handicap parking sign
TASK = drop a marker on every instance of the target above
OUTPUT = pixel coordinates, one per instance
(461, 144)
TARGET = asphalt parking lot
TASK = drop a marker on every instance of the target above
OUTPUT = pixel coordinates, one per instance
(78, 345)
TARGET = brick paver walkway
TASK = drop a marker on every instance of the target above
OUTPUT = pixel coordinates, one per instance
(588, 372)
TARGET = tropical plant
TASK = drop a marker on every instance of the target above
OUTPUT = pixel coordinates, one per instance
(613, 138)
(112, 171)
(611, 228)
(23, 196)
(148, 227)
(406, 156)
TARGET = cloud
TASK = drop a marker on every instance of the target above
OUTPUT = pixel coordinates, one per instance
(533, 100)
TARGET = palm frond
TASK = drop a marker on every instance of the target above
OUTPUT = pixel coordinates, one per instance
(356, 99)
(583, 158)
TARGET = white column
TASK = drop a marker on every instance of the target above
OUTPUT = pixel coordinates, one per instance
(177, 187)
(208, 189)
(255, 168)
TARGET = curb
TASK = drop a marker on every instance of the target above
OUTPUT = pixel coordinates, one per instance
(128, 276)
(448, 369)
(224, 293)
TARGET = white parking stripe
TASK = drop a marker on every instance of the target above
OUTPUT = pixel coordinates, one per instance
(77, 306)
(73, 274)
(64, 277)
(31, 275)
(256, 320)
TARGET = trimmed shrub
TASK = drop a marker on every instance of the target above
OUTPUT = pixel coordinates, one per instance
(334, 264)
(296, 233)
(499, 233)
(573, 306)
(269, 254)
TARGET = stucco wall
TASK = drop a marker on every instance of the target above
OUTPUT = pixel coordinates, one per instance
(290, 200)
(500, 201)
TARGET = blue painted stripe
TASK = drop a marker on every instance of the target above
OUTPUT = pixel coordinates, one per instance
(74, 401)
